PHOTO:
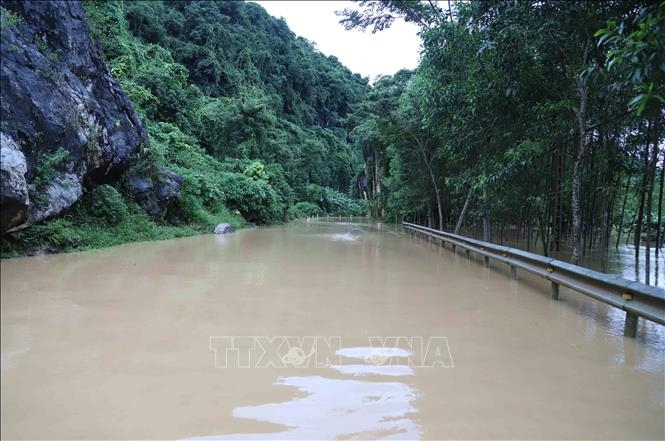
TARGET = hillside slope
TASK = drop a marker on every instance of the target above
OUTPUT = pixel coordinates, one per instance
(230, 117)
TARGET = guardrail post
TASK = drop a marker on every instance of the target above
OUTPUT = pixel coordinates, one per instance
(606, 289)
(630, 327)
(487, 261)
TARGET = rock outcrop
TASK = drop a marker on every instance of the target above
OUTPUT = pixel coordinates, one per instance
(13, 187)
(155, 193)
(66, 123)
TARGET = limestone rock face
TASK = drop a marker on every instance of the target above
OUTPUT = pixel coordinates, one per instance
(13, 187)
(59, 194)
(66, 123)
(155, 193)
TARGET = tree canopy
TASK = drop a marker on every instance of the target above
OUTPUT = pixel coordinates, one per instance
(237, 86)
(524, 117)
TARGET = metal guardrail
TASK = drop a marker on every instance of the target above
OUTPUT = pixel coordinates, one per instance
(637, 299)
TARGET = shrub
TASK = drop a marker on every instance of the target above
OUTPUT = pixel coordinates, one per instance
(45, 171)
(304, 209)
(333, 202)
(255, 199)
(106, 204)
(57, 234)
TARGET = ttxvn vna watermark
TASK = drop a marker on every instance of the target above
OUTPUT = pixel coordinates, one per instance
(326, 351)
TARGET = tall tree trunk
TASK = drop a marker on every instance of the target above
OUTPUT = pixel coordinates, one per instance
(558, 167)
(487, 224)
(376, 184)
(631, 227)
(577, 172)
(607, 223)
(422, 146)
(650, 183)
(588, 219)
(647, 242)
(642, 196)
(639, 218)
(437, 193)
(623, 211)
(462, 214)
(429, 215)
(551, 210)
(659, 232)
(607, 229)
(541, 231)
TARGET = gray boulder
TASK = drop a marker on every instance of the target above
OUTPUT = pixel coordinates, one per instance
(14, 197)
(224, 229)
(56, 198)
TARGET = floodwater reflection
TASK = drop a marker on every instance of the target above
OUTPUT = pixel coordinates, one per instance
(342, 408)
(336, 409)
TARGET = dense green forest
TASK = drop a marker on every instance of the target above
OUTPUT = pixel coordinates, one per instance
(244, 93)
(251, 116)
(524, 120)
(235, 103)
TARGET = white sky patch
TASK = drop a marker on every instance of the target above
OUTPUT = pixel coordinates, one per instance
(370, 55)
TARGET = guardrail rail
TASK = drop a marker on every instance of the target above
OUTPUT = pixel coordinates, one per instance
(637, 299)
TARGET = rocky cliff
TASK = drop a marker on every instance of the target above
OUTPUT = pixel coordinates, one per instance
(66, 124)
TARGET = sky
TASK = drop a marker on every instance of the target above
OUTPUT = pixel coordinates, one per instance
(370, 55)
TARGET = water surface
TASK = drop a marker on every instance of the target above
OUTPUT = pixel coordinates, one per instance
(116, 344)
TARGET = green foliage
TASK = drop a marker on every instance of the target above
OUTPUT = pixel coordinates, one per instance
(493, 116)
(202, 195)
(255, 199)
(236, 80)
(88, 226)
(105, 204)
(9, 19)
(255, 119)
(45, 171)
(333, 202)
(381, 15)
(304, 209)
(246, 113)
(108, 26)
(636, 50)
(256, 170)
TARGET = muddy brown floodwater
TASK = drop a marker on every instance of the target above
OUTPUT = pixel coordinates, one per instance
(313, 331)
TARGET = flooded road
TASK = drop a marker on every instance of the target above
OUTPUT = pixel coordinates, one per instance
(319, 330)
(620, 261)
